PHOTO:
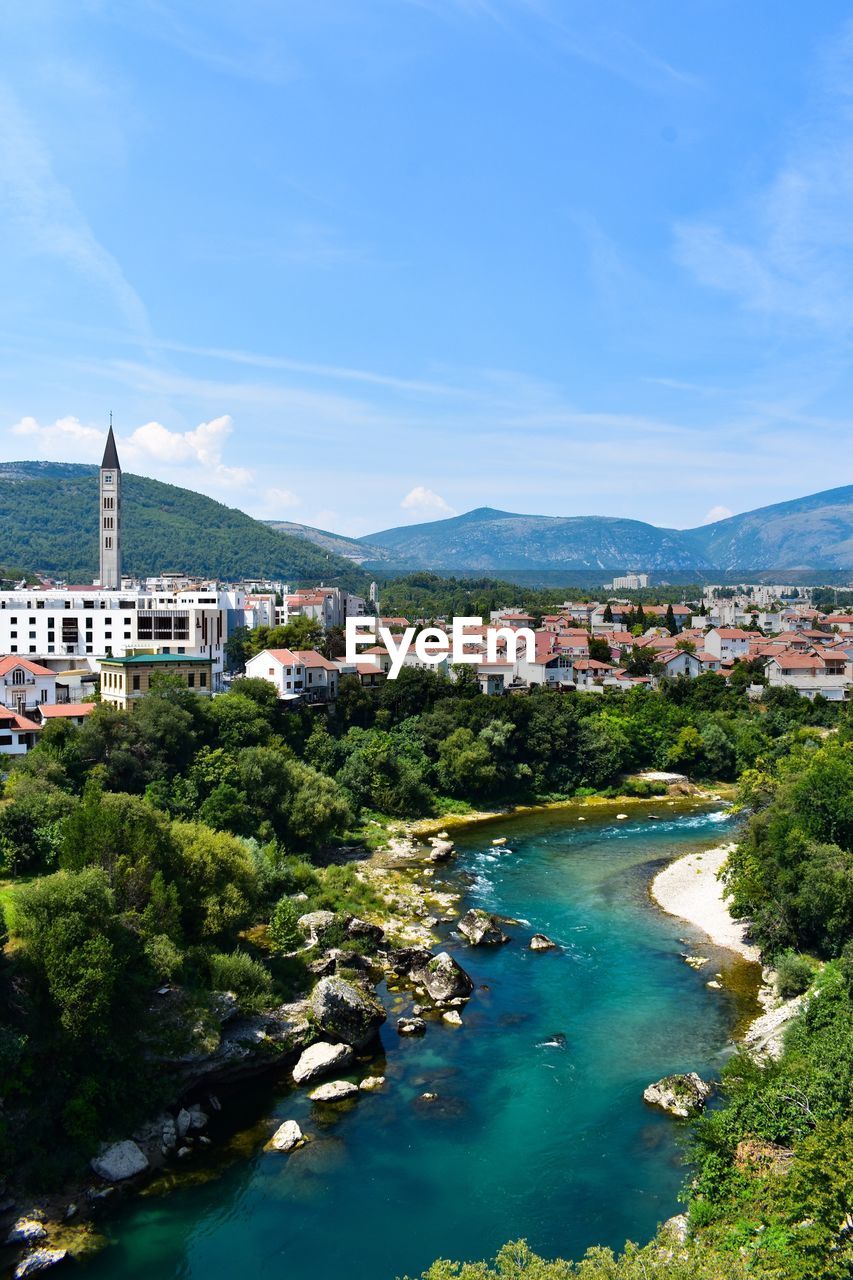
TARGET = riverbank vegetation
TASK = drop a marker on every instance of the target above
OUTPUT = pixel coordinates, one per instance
(158, 847)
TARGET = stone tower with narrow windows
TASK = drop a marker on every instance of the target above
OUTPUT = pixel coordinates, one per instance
(110, 516)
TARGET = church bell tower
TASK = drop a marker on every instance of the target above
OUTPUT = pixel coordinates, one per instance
(110, 516)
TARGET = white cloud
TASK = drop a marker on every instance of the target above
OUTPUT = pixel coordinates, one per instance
(717, 513)
(425, 502)
(278, 500)
(66, 440)
(70, 440)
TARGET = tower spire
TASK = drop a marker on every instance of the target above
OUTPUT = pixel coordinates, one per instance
(110, 515)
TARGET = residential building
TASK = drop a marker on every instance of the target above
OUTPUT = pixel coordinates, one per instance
(17, 733)
(630, 582)
(125, 680)
(24, 685)
(297, 674)
(727, 642)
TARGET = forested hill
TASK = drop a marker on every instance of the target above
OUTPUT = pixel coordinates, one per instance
(49, 522)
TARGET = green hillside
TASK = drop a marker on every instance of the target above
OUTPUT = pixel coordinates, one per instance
(49, 523)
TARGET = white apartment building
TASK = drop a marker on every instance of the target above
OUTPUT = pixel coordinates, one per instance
(630, 582)
(296, 673)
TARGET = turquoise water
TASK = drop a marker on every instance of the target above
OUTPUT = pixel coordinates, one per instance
(527, 1138)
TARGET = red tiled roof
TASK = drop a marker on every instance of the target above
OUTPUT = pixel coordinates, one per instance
(9, 663)
(65, 710)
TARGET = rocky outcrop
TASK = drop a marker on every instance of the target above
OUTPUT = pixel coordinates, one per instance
(677, 1228)
(680, 1095)
(452, 1017)
(364, 931)
(321, 1060)
(346, 1013)
(766, 1034)
(25, 1231)
(39, 1260)
(408, 960)
(120, 1161)
(314, 926)
(334, 1091)
(245, 1046)
(481, 929)
(754, 1155)
(541, 942)
(287, 1137)
(441, 849)
(443, 978)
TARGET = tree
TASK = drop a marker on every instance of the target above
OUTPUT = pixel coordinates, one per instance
(216, 879)
(607, 616)
(599, 649)
(669, 621)
(67, 924)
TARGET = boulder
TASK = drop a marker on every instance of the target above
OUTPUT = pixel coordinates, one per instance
(315, 925)
(481, 929)
(408, 960)
(443, 978)
(371, 1083)
(411, 1026)
(677, 1228)
(183, 1121)
(287, 1137)
(346, 1013)
(25, 1231)
(541, 942)
(680, 1095)
(39, 1260)
(362, 929)
(441, 849)
(334, 1091)
(320, 1060)
(119, 1161)
(452, 1017)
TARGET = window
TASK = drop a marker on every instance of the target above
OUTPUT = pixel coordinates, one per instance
(43, 697)
(135, 681)
(5, 739)
(202, 680)
(108, 542)
(14, 648)
(19, 675)
(191, 681)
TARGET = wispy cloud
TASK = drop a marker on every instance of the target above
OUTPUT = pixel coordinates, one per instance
(47, 218)
(426, 504)
(787, 251)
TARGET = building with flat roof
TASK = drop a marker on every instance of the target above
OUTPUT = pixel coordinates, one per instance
(125, 680)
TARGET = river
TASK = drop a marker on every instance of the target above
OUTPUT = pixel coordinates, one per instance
(539, 1129)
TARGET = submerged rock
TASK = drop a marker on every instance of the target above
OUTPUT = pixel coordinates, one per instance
(346, 1013)
(680, 1095)
(320, 1060)
(481, 928)
(119, 1161)
(287, 1137)
(452, 1017)
(443, 978)
(411, 1026)
(541, 942)
(334, 1091)
(370, 1084)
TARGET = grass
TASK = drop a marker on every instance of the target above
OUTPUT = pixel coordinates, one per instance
(8, 890)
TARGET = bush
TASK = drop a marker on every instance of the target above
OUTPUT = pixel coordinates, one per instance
(241, 973)
(794, 975)
(282, 931)
(163, 956)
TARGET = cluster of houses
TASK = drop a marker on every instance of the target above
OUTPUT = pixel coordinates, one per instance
(56, 642)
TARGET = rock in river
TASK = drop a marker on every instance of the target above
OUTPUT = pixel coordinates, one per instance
(334, 1091)
(25, 1231)
(680, 1095)
(541, 942)
(411, 1026)
(346, 1013)
(481, 928)
(119, 1161)
(443, 978)
(320, 1060)
(287, 1137)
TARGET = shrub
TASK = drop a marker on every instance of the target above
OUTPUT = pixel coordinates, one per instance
(241, 973)
(794, 975)
(282, 928)
(163, 956)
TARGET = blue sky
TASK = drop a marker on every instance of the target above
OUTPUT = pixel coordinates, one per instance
(359, 263)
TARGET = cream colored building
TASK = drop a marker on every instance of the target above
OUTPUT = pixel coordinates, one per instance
(125, 680)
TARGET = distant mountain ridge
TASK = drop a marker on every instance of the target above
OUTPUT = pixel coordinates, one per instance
(811, 532)
(49, 523)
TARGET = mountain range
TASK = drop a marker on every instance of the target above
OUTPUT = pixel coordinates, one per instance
(815, 532)
(49, 514)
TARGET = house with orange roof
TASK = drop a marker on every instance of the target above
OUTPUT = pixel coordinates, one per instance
(25, 684)
(298, 674)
